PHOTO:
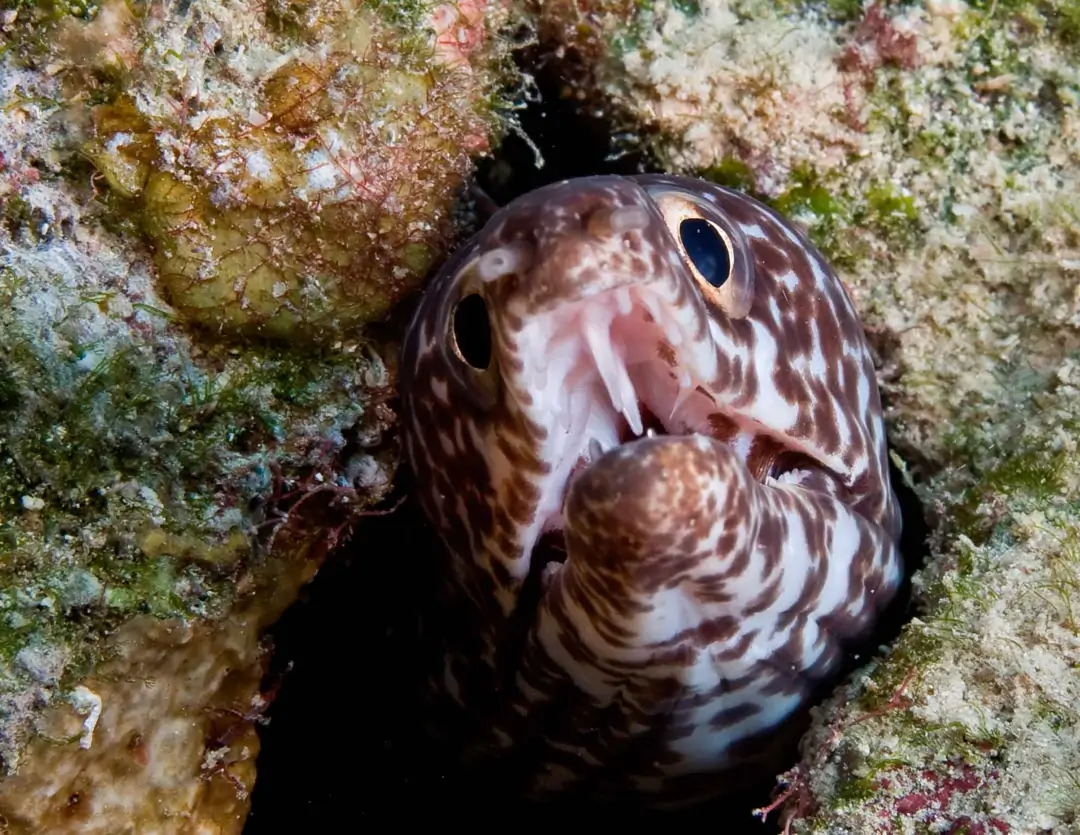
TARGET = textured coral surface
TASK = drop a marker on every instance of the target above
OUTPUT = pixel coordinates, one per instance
(173, 176)
(933, 149)
(295, 163)
(135, 767)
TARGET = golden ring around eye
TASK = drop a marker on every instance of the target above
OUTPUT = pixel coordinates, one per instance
(707, 250)
(469, 331)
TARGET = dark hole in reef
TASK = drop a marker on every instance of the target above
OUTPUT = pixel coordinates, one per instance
(472, 331)
(347, 743)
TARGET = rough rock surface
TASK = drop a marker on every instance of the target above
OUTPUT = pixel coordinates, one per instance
(294, 164)
(166, 487)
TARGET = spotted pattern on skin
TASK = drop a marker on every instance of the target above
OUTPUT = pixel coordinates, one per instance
(712, 460)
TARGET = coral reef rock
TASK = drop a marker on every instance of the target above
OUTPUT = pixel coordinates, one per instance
(294, 164)
(171, 174)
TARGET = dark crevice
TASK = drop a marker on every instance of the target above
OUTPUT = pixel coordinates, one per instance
(347, 743)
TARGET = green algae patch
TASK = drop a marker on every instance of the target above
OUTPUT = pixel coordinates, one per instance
(893, 215)
(732, 173)
(824, 211)
(808, 195)
(140, 475)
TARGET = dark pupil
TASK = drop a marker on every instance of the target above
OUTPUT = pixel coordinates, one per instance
(706, 249)
(472, 331)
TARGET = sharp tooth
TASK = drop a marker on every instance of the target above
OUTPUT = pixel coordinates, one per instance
(663, 320)
(650, 433)
(652, 304)
(686, 390)
(567, 412)
(575, 435)
(595, 450)
(575, 413)
(612, 368)
(631, 411)
(540, 378)
(623, 300)
(557, 380)
(598, 338)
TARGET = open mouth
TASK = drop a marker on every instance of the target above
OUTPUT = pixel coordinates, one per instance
(550, 548)
(606, 371)
(614, 368)
(650, 426)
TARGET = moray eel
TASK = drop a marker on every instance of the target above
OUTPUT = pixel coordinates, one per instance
(642, 416)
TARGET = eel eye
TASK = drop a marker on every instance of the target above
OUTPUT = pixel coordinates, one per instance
(712, 247)
(708, 250)
(471, 332)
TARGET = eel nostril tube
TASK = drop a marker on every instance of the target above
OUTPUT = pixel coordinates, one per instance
(606, 222)
(504, 260)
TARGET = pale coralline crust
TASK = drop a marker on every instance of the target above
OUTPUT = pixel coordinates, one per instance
(934, 150)
(148, 768)
(754, 79)
(160, 739)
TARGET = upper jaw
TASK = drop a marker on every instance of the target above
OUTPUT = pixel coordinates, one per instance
(598, 323)
(607, 369)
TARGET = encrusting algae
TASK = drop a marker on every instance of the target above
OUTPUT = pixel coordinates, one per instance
(294, 165)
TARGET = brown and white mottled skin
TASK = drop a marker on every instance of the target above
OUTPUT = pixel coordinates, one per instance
(710, 453)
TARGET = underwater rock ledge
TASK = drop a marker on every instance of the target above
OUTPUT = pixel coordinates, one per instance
(197, 218)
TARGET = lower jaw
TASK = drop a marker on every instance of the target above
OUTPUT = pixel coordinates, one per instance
(551, 546)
